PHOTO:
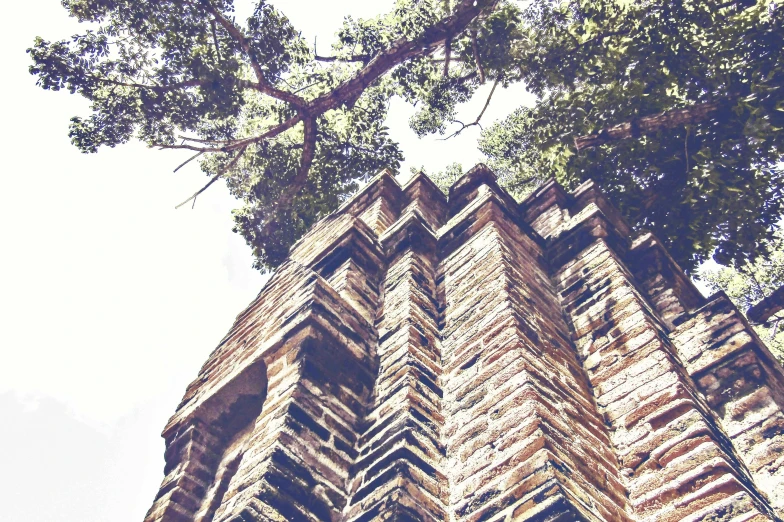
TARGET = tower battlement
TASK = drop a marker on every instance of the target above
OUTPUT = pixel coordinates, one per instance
(470, 358)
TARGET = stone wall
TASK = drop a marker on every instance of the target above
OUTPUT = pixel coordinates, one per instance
(471, 358)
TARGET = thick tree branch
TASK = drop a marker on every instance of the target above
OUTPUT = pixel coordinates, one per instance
(648, 125)
(263, 85)
(308, 153)
(345, 94)
(398, 52)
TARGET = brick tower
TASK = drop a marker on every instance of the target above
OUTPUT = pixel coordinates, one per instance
(419, 358)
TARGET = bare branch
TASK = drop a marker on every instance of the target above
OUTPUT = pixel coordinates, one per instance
(476, 121)
(308, 86)
(200, 140)
(353, 58)
(487, 102)
(215, 40)
(234, 144)
(215, 178)
(181, 165)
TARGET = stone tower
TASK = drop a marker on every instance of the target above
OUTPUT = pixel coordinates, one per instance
(420, 358)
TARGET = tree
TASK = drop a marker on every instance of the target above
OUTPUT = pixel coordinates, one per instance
(674, 108)
(751, 284)
(292, 132)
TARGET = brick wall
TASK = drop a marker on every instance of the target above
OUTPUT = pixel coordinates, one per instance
(471, 358)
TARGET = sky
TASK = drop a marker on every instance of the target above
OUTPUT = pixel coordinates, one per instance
(110, 299)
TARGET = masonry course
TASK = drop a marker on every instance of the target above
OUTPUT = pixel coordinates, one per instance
(470, 358)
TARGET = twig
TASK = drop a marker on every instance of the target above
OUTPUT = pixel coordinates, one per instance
(447, 56)
(181, 165)
(200, 140)
(214, 178)
(309, 86)
(353, 58)
(215, 39)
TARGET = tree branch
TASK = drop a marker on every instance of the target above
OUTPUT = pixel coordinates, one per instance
(215, 40)
(345, 94)
(447, 56)
(215, 178)
(263, 86)
(308, 153)
(399, 51)
(161, 88)
(476, 121)
(649, 124)
(234, 144)
(181, 165)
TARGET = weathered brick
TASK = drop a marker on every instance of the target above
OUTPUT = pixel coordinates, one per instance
(422, 358)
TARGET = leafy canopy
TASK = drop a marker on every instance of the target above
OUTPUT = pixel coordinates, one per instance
(292, 132)
(711, 183)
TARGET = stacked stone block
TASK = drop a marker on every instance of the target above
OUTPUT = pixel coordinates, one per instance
(470, 358)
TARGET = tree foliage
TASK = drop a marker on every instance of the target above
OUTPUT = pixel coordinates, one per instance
(711, 182)
(292, 132)
(751, 283)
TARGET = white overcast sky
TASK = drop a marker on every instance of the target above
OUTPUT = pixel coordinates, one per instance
(110, 300)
